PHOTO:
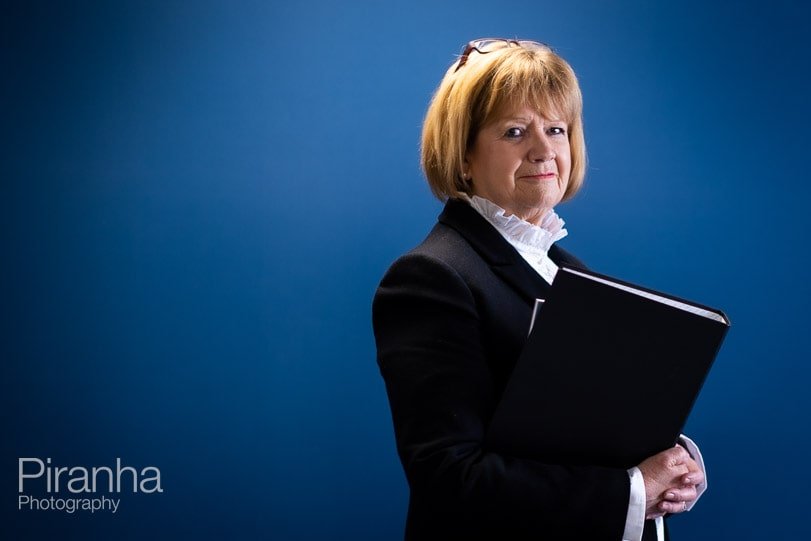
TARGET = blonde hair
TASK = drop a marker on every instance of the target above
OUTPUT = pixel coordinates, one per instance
(473, 94)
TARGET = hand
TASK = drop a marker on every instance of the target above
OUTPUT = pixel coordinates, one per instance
(670, 478)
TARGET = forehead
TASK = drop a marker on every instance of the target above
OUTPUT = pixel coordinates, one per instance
(546, 101)
(525, 111)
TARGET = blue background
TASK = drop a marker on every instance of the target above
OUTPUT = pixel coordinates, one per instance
(198, 199)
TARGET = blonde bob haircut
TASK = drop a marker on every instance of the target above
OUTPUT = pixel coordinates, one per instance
(477, 88)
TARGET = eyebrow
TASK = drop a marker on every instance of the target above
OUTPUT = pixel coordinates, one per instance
(526, 119)
(521, 118)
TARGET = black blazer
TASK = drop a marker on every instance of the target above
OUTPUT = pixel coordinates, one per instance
(450, 319)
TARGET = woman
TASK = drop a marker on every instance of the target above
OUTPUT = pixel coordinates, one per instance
(503, 145)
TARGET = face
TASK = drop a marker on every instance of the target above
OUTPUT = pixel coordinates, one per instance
(521, 162)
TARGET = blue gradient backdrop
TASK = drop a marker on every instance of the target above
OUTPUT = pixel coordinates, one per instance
(198, 199)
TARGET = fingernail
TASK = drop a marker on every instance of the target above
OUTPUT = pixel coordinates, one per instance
(670, 495)
(688, 480)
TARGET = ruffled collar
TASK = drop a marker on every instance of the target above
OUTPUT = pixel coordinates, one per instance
(522, 234)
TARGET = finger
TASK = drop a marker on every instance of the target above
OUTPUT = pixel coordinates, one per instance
(693, 478)
(692, 464)
(675, 473)
(677, 455)
(672, 507)
(687, 494)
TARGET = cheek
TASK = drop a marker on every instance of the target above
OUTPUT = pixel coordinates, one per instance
(500, 168)
(565, 160)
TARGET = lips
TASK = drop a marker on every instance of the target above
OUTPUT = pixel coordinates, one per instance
(541, 176)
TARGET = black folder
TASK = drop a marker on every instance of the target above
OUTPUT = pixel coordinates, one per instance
(608, 375)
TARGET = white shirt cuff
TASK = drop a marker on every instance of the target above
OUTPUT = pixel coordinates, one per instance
(635, 519)
(692, 448)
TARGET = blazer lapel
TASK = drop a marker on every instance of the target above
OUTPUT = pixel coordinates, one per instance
(505, 261)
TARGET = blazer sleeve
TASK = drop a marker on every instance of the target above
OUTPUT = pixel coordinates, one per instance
(430, 353)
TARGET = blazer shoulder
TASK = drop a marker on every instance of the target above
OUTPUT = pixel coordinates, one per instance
(443, 253)
(445, 244)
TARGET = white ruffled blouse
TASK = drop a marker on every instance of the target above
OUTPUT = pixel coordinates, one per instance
(530, 240)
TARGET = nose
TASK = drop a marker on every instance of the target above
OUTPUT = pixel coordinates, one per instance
(541, 149)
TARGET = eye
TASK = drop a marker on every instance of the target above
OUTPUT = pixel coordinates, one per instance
(514, 133)
(557, 130)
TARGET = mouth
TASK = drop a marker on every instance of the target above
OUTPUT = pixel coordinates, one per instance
(541, 176)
